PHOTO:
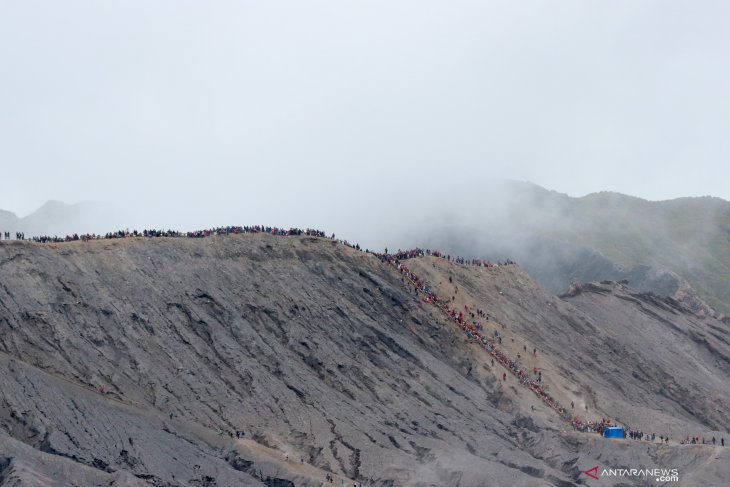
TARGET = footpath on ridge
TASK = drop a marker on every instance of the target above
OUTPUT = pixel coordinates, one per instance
(473, 329)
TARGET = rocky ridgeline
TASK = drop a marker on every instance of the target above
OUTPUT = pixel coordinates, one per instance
(257, 360)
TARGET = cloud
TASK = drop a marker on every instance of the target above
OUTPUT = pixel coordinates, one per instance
(308, 111)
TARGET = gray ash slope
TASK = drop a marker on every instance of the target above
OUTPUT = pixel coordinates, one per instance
(319, 351)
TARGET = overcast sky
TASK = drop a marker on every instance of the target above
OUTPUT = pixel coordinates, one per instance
(272, 111)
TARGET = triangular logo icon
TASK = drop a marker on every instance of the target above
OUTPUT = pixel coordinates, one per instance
(592, 473)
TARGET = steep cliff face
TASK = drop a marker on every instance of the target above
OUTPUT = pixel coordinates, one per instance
(322, 361)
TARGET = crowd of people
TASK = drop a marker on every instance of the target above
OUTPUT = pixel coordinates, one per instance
(697, 440)
(473, 330)
(236, 230)
(639, 435)
(228, 230)
(410, 254)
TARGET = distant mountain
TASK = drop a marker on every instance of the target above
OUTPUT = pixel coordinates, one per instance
(58, 218)
(688, 236)
(8, 221)
(666, 247)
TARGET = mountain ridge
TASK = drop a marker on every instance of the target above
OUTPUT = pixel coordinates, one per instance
(558, 238)
(561, 239)
(319, 351)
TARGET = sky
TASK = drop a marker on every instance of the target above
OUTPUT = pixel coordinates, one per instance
(197, 113)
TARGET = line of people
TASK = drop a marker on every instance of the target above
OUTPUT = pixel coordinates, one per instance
(227, 230)
(473, 329)
(697, 440)
(236, 230)
(418, 252)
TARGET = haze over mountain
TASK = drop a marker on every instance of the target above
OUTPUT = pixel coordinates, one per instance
(61, 219)
(271, 107)
(658, 246)
(678, 248)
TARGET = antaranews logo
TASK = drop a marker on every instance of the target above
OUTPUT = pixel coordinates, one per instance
(658, 474)
(592, 472)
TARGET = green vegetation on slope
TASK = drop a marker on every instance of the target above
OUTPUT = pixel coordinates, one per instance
(690, 236)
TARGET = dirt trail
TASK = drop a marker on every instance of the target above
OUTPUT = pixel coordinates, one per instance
(440, 275)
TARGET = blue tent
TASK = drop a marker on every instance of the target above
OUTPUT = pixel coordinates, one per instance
(613, 432)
